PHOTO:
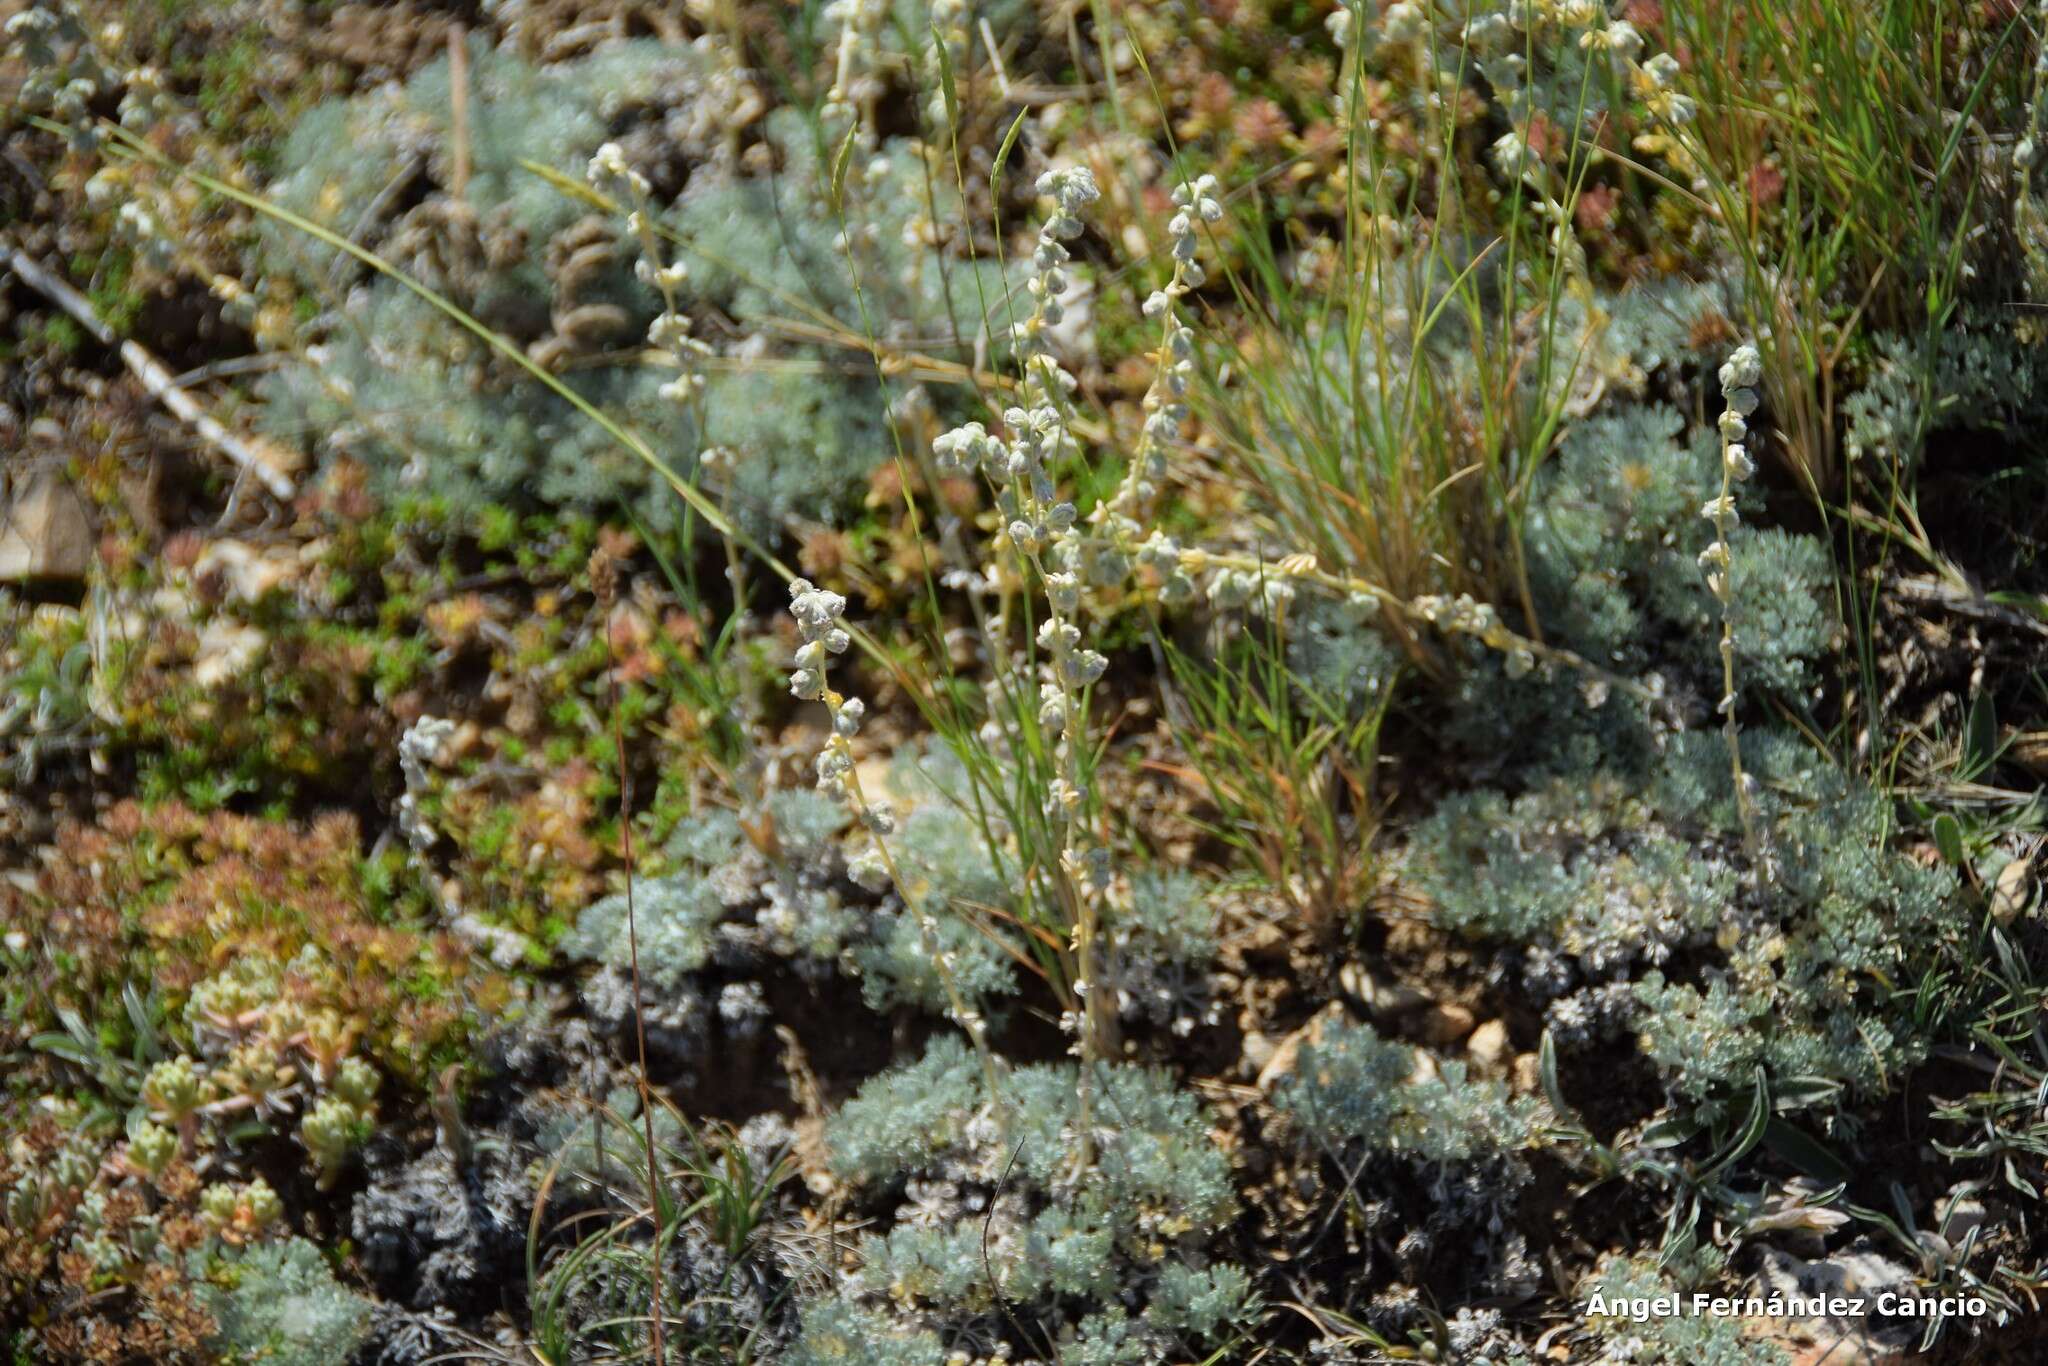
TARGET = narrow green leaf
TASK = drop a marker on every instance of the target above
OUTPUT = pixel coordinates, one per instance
(840, 159)
(1668, 1132)
(1546, 1066)
(2024, 602)
(995, 174)
(1799, 1149)
(568, 185)
(1948, 838)
(1796, 1093)
(947, 91)
(1753, 1126)
(67, 1048)
(1980, 735)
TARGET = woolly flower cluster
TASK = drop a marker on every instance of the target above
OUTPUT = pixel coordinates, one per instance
(820, 621)
(856, 64)
(1660, 91)
(1739, 377)
(1039, 526)
(1074, 189)
(417, 748)
(1040, 523)
(1500, 42)
(819, 615)
(670, 330)
(1164, 408)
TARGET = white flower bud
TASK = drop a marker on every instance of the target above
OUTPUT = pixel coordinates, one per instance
(608, 164)
(1058, 636)
(1402, 22)
(1083, 668)
(868, 869)
(1743, 368)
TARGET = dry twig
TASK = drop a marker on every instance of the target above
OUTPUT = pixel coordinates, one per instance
(148, 369)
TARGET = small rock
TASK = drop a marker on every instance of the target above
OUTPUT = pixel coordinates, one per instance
(2013, 891)
(227, 650)
(44, 532)
(1263, 939)
(1961, 1214)
(243, 572)
(1281, 1063)
(1387, 1002)
(1489, 1043)
(1526, 1076)
(1288, 1051)
(1855, 1276)
(1443, 1025)
(1258, 1051)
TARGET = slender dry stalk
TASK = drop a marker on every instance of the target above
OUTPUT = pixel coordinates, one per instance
(1739, 378)
(604, 582)
(458, 107)
(262, 464)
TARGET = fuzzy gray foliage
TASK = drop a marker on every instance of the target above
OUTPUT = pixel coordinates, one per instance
(1631, 873)
(1066, 1246)
(280, 1303)
(1973, 376)
(1676, 1339)
(1354, 1090)
(431, 410)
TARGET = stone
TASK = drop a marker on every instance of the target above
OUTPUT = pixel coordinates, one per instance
(1489, 1043)
(1258, 1051)
(246, 573)
(45, 534)
(1284, 1056)
(2013, 890)
(1444, 1024)
(1387, 1002)
(227, 650)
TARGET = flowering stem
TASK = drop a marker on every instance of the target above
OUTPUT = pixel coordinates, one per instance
(994, 1071)
(1739, 376)
(819, 616)
(604, 583)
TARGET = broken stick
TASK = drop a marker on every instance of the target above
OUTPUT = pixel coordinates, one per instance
(148, 369)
